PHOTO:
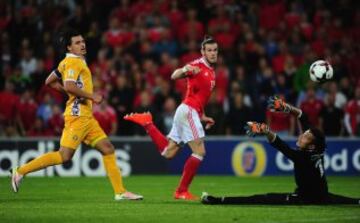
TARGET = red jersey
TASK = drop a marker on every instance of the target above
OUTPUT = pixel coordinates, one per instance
(312, 109)
(27, 112)
(200, 85)
(106, 118)
(279, 121)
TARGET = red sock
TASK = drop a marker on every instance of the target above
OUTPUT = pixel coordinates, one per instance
(191, 166)
(157, 137)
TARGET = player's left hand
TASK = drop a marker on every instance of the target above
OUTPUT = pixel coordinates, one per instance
(275, 103)
(254, 128)
(98, 98)
(209, 122)
(192, 69)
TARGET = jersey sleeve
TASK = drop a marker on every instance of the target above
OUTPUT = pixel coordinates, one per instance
(57, 73)
(70, 71)
(285, 149)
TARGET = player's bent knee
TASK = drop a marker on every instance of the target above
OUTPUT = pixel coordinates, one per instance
(105, 147)
(200, 153)
(168, 155)
(66, 154)
(108, 149)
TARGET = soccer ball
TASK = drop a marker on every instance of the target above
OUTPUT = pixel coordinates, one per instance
(321, 71)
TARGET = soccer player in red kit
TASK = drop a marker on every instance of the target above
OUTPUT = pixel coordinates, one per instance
(187, 127)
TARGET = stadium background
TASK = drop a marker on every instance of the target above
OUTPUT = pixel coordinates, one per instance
(266, 48)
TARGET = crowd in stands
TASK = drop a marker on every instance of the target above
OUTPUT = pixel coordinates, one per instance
(265, 48)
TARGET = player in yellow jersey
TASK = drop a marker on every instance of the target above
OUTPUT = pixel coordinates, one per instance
(74, 77)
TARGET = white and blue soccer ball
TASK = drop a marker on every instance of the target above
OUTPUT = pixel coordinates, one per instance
(321, 71)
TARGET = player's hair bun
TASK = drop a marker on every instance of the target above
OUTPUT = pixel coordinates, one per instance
(207, 37)
(207, 40)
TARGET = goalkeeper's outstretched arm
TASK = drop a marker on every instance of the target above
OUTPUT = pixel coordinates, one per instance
(254, 128)
(279, 105)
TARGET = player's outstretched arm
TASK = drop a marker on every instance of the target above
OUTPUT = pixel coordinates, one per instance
(254, 128)
(184, 71)
(53, 81)
(277, 104)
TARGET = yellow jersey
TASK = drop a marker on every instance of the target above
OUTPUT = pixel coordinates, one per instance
(74, 68)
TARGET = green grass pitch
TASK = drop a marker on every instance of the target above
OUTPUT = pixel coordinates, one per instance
(87, 199)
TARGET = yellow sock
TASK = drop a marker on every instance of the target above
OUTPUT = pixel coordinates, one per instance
(113, 173)
(45, 160)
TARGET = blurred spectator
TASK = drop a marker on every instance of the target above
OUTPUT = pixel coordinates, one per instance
(165, 44)
(166, 67)
(8, 102)
(28, 63)
(38, 129)
(106, 116)
(26, 111)
(10, 131)
(222, 79)
(168, 113)
(118, 34)
(340, 98)
(121, 99)
(192, 53)
(56, 121)
(79, 20)
(176, 16)
(266, 47)
(302, 77)
(281, 123)
(163, 92)
(352, 114)
(312, 107)
(223, 35)
(346, 87)
(238, 115)
(271, 13)
(44, 110)
(145, 104)
(192, 28)
(214, 109)
(331, 117)
(278, 61)
(20, 81)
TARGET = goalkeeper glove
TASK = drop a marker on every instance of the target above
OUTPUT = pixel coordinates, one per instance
(277, 104)
(255, 128)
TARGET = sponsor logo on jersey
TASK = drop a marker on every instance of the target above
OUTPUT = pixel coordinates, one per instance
(71, 73)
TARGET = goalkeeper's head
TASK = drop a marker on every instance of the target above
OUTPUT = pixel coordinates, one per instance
(312, 140)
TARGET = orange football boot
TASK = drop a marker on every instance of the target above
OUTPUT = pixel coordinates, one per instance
(186, 195)
(139, 118)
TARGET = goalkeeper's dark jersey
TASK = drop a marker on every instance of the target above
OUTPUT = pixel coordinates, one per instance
(308, 168)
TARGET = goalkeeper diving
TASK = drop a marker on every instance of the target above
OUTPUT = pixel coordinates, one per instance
(308, 159)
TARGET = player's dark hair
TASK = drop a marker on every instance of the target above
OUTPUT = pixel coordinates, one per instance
(319, 139)
(207, 40)
(65, 37)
